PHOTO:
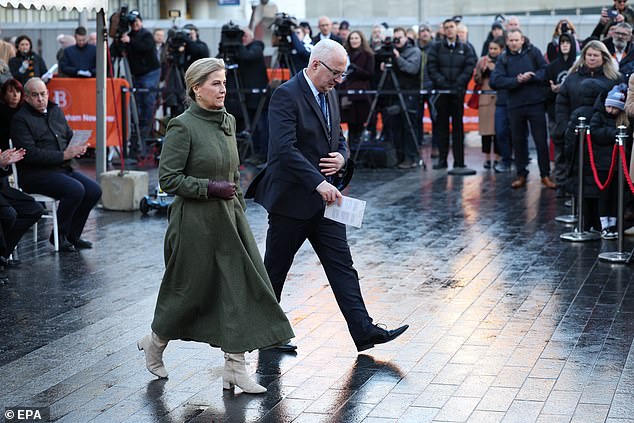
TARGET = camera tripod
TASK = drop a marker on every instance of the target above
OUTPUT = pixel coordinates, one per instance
(410, 127)
(121, 69)
(248, 149)
(284, 60)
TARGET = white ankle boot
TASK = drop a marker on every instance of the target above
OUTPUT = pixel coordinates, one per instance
(153, 346)
(235, 373)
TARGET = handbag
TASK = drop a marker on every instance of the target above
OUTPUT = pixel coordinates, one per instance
(474, 100)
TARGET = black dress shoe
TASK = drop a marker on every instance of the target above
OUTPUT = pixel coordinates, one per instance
(81, 243)
(64, 244)
(285, 347)
(380, 336)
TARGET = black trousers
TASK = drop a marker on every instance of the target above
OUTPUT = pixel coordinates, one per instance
(18, 212)
(77, 195)
(286, 235)
(520, 118)
(450, 106)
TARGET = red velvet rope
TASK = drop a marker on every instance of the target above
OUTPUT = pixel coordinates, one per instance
(594, 167)
(626, 171)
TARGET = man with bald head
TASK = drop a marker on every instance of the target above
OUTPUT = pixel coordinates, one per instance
(325, 31)
(306, 150)
(40, 128)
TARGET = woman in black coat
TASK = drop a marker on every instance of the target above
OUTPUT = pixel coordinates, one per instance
(356, 107)
(26, 64)
(593, 74)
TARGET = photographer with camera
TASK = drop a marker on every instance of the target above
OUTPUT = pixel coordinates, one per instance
(238, 47)
(450, 66)
(193, 47)
(610, 16)
(405, 59)
(145, 69)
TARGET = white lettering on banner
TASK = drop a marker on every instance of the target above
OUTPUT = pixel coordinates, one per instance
(61, 98)
(89, 118)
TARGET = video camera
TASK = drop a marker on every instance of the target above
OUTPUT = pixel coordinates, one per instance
(385, 53)
(283, 25)
(120, 22)
(230, 41)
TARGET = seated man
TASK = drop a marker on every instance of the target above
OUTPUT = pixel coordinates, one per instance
(41, 129)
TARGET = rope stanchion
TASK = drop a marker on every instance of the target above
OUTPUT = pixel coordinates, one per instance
(579, 234)
(619, 256)
(593, 165)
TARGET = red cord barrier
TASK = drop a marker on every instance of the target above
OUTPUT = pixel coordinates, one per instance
(626, 171)
(594, 167)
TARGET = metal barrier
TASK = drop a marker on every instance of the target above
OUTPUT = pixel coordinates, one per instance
(619, 256)
(579, 235)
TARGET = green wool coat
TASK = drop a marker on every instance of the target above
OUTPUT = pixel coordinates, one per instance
(215, 288)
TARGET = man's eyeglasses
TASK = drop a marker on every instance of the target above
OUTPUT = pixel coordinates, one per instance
(335, 74)
(43, 94)
(622, 34)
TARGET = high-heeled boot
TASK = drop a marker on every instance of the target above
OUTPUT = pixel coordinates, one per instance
(153, 346)
(235, 373)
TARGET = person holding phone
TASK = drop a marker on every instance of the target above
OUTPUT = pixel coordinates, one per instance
(619, 12)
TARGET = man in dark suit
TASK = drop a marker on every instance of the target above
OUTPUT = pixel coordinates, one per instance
(306, 151)
(325, 31)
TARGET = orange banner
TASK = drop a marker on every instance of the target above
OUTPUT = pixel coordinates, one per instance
(77, 99)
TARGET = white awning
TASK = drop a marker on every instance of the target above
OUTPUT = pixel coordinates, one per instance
(59, 4)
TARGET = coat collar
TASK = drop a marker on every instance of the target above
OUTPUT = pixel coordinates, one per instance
(220, 116)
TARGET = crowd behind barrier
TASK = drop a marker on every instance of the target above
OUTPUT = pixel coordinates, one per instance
(404, 86)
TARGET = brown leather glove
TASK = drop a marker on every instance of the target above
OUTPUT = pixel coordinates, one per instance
(221, 189)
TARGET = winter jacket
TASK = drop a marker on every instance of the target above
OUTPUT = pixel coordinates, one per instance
(19, 66)
(141, 52)
(75, 59)
(44, 136)
(450, 68)
(603, 132)
(509, 65)
(556, 71)
(407, 66)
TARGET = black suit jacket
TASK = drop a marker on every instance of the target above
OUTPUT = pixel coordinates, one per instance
(299, 138)
(333, 37)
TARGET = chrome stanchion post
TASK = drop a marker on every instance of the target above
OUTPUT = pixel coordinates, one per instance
(579, 235)
(619, 256)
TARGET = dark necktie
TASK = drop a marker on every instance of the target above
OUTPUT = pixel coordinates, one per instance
(324, 107)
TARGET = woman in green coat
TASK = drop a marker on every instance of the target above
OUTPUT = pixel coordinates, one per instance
(215, 288)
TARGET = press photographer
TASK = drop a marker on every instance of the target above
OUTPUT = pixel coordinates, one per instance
(404, 58)
(238, 47)
(292, 52)
(138, 46)
(184, 46)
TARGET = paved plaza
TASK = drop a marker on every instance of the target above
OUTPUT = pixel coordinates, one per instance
(507, 322)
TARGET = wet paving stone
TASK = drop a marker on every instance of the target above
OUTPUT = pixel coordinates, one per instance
(507, 322)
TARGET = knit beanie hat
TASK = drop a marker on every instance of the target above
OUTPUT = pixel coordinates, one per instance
(616, 97)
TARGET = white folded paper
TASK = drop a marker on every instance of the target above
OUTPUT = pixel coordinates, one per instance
(350, 212)
(80, 136)
(49, 73)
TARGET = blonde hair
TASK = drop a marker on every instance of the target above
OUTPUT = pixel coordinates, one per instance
(609, 68)
(7, 51)
(198, 72)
